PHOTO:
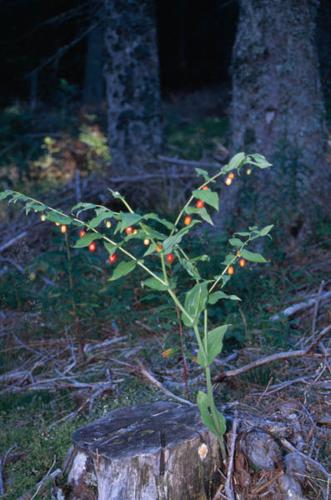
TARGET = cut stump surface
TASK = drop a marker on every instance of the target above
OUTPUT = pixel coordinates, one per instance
(150, 452)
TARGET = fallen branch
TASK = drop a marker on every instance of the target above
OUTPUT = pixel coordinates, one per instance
(12, 241)
(191, 163)
(141, 370)
(273, 357)
(301, 306)
(289, 446)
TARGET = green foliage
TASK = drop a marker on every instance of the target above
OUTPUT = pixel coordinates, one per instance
(165, 258)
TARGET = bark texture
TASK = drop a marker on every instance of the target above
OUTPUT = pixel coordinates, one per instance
(94, 91)
(277, 98)
(277, 104)
(132, 81)
(147, 452)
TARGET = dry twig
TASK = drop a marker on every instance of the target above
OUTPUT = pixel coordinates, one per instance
(274, 357)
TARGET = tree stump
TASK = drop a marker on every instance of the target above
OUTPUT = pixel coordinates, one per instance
(150, 452)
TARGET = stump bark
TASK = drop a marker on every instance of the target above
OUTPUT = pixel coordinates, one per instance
(150, 452)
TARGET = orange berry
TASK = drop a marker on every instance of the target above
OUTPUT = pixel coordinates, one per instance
(231, 175)
(92, 247)
(63, 229)
(112, 258)
(187, 220)
(242, 262)
(129, 230)
(230, 270)
(82, 233)
(170, 258)
(159, 247)
(205, 188)
(200, 204)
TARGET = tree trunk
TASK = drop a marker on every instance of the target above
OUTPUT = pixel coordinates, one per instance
(132, 81)
(95, 56)
(151, 452)
(277, 105)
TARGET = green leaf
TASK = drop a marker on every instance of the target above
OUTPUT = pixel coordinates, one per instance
(96, 221)
(215, 342)
(35, 206)
(189, 266)
(87, 239)
(212, 419)
(202, 212)
(128, 219)
(266, 230)
(235, 242)
(155, 284)
(215, 297)
(123, 269)
(237, 160)
(258, 160)
(174, 240)
(203, 173)
(59, 218)
(252, 256)
(81, 207)
(229, 259)
(195, 302)
(205, 413)
(5, 194)
(164, 222)
(110, 247)
(208, 196)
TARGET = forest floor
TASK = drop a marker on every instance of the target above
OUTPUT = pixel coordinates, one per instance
(62, 366)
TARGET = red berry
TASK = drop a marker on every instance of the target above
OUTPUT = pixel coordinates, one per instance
(200, 204)
(129, 230)
(82, 233)
(205, 188)
(170, 258)
(187, 220)
(112, 258)
(92, 247)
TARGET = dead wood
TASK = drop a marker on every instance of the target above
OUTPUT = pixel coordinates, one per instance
(274, 357)
(301, 306)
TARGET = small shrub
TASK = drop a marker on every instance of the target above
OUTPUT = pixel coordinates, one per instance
(155, 246)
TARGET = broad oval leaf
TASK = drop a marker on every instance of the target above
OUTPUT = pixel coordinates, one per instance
(215, 297)
(128, 219)
(195, 302)
(59, 218)
(123, 269)
(155, 284)
(235, 242)
(208, 196)
(87, 239)
(252, 256)
(215, 342)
